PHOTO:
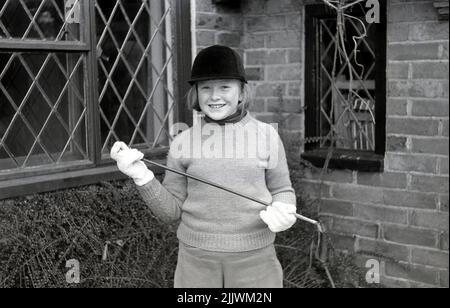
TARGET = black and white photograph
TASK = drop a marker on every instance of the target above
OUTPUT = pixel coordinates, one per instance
(205, 145)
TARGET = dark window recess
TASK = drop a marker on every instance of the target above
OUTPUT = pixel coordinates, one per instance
(345, 99)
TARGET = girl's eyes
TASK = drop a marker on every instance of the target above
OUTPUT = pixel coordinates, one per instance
(206, 88)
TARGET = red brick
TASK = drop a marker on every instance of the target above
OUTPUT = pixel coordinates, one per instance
(429, 108)
(410, 199)
(284, 39)
(430, 145)
(429, 31)
(383, 249)
(294, 56)
(229, 39)
(252, 7)
(418, 163)
(425, 183)
(444, 128)
(443, 240)
(265, 23)
(271, 90)
(255, 57)
(294, 21)
(396, 144)
(336, 207)
(265, 57)
(312, 189)
(291, 72)
(283, 6)
(429, 257)
(443, 279)
(443, 51)
(294, 121)
(397, 70)
(380, 213)
(410, 235)
(397, 32)
(389, 282)
(443, 203)
(408, 126)
(358, 193)
(205, 38)
(430, 70)
(411, 11)
(354, 227)
(417, 51)
(430, 88)
(204, 6)
(427, 219)
(215, 22)
(253, 41)
(443, 165)
(396, 106)
(258, 105)
(412, 272)
(286, 105)
(294, 89)
(426, 88)
(254, 73)
(341, 176)
(386, 179)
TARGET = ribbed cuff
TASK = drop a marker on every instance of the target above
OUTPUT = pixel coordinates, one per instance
(285, 197)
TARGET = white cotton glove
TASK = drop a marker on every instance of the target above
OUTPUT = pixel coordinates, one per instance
(279, 216)
(129, 162)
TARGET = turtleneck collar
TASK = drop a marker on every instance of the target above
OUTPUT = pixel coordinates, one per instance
(234, 118)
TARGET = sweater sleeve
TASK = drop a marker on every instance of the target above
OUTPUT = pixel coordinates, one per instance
(166, 199)
(277, 174)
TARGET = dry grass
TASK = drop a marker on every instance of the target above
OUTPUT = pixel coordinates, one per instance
(39, 233)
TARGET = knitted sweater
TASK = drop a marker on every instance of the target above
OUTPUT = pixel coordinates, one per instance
(211, 218)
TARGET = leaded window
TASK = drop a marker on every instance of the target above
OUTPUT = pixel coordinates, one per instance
(345, 86)
(78, 75)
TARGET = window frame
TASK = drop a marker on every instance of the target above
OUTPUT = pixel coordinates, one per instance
(19, 182)
(341, 158)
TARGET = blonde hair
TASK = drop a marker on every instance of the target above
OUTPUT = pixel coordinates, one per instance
(244, 104)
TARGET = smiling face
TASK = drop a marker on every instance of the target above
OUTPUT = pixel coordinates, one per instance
(219, 99)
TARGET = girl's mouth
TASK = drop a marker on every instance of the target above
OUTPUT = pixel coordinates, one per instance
(217, 106)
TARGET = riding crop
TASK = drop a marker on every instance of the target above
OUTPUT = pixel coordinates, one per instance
(301, 217)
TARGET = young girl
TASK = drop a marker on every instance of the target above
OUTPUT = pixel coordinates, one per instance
(224, 240)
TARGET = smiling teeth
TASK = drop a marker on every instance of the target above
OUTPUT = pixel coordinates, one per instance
(216, 106)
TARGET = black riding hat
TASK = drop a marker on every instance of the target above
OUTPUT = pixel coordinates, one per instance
(217, 62)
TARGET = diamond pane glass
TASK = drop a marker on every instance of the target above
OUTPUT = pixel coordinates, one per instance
(44, 120)
(347, 88)
(54, 20)
(135, 67)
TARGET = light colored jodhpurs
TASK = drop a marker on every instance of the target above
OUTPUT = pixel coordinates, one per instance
(198, 268)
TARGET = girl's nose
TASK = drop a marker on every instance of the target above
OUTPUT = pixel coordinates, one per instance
(215, 93)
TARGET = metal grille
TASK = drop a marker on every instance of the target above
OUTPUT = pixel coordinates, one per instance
(135, 71)
(57, 20)
(347, 102)
(43, 111)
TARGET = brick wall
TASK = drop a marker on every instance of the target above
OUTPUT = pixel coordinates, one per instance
(399, 216)
(266, 33)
